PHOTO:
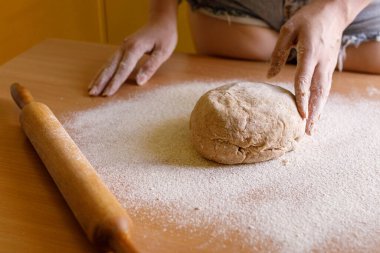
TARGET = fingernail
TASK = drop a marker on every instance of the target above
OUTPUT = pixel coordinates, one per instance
(302, 109)
(141, 78)
(306, 112)
(270, 73)
(273, 71)
(108, 92)
(93, 91)
(310, 130)
(105, 93)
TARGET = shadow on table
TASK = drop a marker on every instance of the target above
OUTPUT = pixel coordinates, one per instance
(169, 142)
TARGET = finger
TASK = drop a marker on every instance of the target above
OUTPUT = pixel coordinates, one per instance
(151, 65)
(127, 64)
(281, 51)
(303, 78)
(105, 74)
(319, 91)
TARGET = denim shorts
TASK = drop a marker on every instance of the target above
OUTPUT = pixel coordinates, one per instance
(274, 13)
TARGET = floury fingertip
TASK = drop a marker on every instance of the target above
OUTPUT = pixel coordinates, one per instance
(107, 93)
(310, 128)
(141, 79)
(305, 110)
(273, 71)
(93, 91)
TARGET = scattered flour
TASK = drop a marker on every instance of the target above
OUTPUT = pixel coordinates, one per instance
(372, 91)
(326, 192)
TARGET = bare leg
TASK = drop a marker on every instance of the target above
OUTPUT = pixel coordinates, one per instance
(365, 58)
(217, 37)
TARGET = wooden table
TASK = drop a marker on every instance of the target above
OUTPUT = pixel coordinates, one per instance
(33, 215)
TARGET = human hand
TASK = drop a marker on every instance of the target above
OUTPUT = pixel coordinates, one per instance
(158, 39)
(315, 31)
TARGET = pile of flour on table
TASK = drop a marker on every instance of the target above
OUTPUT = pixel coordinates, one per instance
(326, 192)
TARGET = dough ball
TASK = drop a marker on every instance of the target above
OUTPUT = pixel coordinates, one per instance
(245, 122)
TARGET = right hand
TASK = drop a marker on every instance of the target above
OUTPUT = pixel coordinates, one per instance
(315, 31)
(156, 39)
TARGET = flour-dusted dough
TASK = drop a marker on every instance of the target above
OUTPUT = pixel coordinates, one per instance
(245, 122)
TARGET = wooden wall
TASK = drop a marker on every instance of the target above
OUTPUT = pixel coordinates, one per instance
(24, 23)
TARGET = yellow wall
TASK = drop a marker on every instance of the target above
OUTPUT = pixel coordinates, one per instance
(125, 17)
(24, 23)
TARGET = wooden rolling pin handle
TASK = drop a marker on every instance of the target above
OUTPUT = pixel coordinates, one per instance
(21, 95)
(105, 222)
(114, 234)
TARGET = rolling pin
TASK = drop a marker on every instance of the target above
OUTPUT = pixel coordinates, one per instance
(103, 219)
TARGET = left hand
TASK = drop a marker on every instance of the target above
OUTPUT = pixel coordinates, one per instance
(315, 31)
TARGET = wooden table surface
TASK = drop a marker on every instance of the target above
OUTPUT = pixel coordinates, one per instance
(33, 215)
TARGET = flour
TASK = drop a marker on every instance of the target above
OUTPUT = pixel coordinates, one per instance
(373, 91)
(325, 194)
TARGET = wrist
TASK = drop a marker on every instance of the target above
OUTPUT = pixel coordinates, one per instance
(349, 9)
(163, 12)
(163, 24)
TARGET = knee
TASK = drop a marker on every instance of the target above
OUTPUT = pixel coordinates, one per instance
(253, 48)
(365, 58)
(215, 37)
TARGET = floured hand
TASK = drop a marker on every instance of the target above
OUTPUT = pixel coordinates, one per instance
(156, 39)
(315, 31)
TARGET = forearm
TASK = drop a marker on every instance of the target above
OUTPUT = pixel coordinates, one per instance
(163, 11)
